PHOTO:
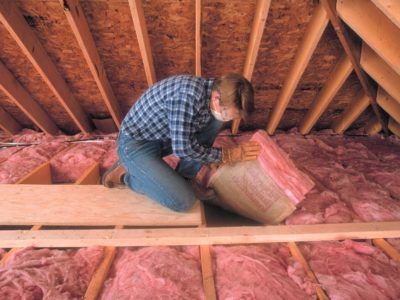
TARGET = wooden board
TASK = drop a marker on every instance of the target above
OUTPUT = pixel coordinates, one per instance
(86, 205)
(391, 8)
(380, 71)
(374, 28)
(389, 104)
(39, 175)
(198, 236)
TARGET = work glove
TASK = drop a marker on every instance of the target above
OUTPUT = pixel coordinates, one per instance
(244, 151)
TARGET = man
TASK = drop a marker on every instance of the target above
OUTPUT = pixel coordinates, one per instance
(181, 115)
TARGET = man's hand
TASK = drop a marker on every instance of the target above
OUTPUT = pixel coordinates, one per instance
(242, 152)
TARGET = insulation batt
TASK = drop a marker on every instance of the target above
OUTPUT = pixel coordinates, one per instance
(155, 273)
(27, 159)
(351, 270)
(395, 243)
(69, 166)
(340, 164)
(34, 274)
(259, 272)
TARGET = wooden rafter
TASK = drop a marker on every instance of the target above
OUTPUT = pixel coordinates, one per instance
(335, 81)
(80, 28)
(260, 18)
(8, 123)
(374, 28)
(373, 126)
(313, 34)
(391, 8)
(198, 38)
(380, 71)
(16, 92)
(390, 105)
(16, 25)
(352, 112)
(387, 248)
(353, 50)
(143, 39)
(394, 127)
(198, 236)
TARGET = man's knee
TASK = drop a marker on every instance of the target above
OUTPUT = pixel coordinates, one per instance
(180, 203)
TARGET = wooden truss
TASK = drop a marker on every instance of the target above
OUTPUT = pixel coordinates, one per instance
(376, 23)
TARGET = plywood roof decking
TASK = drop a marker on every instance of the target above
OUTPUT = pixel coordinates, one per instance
(226, 29)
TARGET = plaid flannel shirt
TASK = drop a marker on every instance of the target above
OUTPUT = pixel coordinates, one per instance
(174, 110)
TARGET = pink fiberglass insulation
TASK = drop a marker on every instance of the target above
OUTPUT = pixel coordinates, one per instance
(321, 207)
(70, 165)
(259, 272)
(338, 164)
(155, 273)
(48, 274)
(277, 164)
(27, 159)
(353, 270)
(6, 152)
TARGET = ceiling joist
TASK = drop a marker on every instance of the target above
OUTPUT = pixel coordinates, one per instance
(8, 123)
(390, 105)
(143, 40)
(16, 25)
(21, 97)
(313, 34)
(374, 28)
(77, 20)
(380, 71)
(335, 81)
(353, 50)
(351, 114)
(260, 18)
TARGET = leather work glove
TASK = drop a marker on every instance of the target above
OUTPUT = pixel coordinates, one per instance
(244, 151)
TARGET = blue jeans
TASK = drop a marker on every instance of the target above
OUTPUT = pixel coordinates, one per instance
(148, 174)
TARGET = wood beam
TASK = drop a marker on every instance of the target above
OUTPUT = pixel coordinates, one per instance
(391, 106)
(198, 38)
(40, 204)
(139, 22)
(352, 112)
(352, 49)
(374, 28)
(380, 71)
(335, 81)
(313, 34)
(198, 236)
(39, 175)
(16, 92)
(296, 253)
(394, 127)
(91, 175)
(8, 123)
(16, 25)
(387, 248)
(260, 17)
(206, 264)
(373, 126)
(391, 8)
(77, 20)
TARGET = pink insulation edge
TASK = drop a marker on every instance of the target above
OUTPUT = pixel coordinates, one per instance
(277, 164)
